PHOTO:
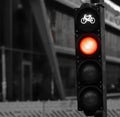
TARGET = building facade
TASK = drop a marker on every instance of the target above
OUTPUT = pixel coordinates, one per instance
(25, 71)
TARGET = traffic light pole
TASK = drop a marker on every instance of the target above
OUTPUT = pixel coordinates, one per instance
(4, 82)
(101, 3)
(104, 61)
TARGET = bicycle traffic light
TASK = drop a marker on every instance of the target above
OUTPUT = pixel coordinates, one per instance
(89, 59)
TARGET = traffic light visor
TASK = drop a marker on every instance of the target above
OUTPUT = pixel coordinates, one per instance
(88, 45)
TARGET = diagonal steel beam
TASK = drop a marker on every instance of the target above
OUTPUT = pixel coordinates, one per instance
(40, 15)
(64, 6)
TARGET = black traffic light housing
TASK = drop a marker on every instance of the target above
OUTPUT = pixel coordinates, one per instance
(89, 59)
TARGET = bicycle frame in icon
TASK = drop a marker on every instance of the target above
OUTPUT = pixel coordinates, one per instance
(87, 18)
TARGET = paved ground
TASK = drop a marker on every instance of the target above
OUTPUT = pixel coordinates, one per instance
(51, 109)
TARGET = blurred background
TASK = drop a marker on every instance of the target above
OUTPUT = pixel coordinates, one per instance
(26, 72)
(31, 34)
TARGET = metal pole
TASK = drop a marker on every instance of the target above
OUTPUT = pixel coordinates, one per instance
(103, 54)
(4, 83)
(101, 3)
(40, 15)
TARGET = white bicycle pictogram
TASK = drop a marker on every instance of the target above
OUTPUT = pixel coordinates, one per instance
(87, 18)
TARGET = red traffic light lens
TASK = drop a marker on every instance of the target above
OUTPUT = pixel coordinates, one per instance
(88, 45)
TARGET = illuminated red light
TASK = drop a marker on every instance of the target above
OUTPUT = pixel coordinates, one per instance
(88, 45)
